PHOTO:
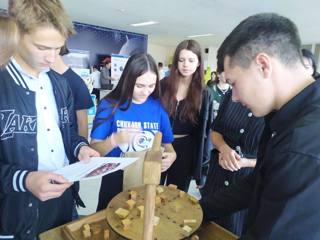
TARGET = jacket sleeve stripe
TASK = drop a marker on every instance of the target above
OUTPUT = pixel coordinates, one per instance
(77, 149)
(14, 181)
(6, 237)
(18, 181)
(22, 181)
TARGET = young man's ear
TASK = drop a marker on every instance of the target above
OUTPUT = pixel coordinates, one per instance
(263, 62)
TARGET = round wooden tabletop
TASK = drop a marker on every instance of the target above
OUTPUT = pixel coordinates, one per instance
(179, 214)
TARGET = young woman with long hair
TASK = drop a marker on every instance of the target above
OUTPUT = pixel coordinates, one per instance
(189, 105)
(128, 118)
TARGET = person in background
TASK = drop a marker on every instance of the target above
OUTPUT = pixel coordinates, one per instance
(105, 75)
(161, 70)
(235, 135)
(267, 74)
(38, 135)
(310, 63)
(95, 74)
(81, 96)
(167, 73)
(189, 105)
(127, 120)
(9, 39)
(219, 88)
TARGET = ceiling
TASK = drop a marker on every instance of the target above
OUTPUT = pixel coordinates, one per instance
(181, 18)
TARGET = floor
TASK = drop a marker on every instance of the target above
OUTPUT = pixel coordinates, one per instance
(89, 191)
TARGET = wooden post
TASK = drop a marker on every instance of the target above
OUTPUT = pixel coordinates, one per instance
(151, 178)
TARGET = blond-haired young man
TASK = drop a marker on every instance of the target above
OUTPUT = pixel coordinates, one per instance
(36, 124)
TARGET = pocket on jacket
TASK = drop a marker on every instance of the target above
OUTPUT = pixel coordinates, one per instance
(17, 213)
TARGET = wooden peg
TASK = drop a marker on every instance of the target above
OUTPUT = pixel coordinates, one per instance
(151, 178)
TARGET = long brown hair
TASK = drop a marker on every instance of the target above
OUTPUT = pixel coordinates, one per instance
(189, 111)
(121, 97)
(9, 39)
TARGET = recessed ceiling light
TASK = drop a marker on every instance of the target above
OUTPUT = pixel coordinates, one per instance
(144, 23)
(201, 35)
(122, 10)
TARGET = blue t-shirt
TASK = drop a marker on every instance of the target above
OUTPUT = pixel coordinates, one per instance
(149, 116)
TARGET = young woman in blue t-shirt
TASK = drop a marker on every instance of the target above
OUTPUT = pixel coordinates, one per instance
(128, 118)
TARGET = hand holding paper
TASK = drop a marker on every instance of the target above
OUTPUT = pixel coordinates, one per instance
(86, 152)
(96, 167)
(46, 185)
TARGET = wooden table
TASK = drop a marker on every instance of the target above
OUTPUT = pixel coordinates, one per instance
(208, 231)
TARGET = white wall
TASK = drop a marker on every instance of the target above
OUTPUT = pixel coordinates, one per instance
(210, 58)
(160, 53)
(315, 49)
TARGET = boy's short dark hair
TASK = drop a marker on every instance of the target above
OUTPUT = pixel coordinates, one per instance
(266, 32)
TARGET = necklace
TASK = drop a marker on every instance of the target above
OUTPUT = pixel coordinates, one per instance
(223, 90)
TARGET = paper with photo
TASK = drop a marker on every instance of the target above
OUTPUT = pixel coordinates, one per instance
(95, 168)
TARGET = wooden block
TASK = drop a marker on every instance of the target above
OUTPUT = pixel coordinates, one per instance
(141, 211)
(131, 203)
(106, 234)
(189, 221)
(158, 200)
(156, 220)
(187, 228)
(126, 223)
(95, 229)
(122, 213)
(86, 227)
(163, 199)
(172, 186)
(175, 206)
(159, 190)
(182, 194)
(152, 167)
(86, 233)
(133, 195)
(193, 200)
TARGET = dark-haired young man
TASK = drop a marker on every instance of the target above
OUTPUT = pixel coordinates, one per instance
(81, 96)
(263, 63)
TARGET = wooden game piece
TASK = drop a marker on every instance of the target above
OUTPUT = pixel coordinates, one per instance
(141, 211)
(163, 199)
(131, 203)
(122, 213)
(156, 220)
(86, 233)
(175, 206)
(187, 228)
(133, 195)
(95, 229)
(86, 227)
(182, 194)
(172, 186)
(106, 234)
(159, 190)
(126, 223)
(189, 221)
(158, 200)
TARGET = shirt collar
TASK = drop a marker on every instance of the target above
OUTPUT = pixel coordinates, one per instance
(295, 108)
(22, 71)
